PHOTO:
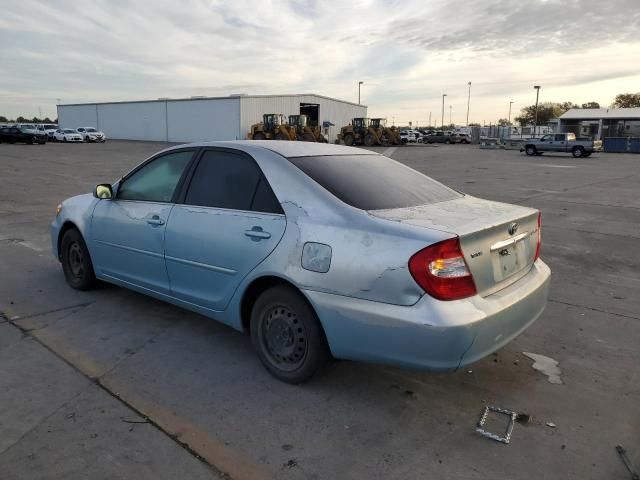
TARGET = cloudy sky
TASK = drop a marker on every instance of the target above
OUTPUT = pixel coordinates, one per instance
(407, 53)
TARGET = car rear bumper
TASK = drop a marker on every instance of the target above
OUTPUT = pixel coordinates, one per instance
(431, 334)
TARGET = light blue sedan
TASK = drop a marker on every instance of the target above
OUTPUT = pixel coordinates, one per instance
(315, 250)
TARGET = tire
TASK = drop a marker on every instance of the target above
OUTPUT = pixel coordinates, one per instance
(287, 335)
(577, 152)
(308, 137)
(369, 140)
(32, 140)
(348, 140)
(259, 136)
(447, 141)
(76, 261)
(280, 136)
(530, 150)
(64, 139)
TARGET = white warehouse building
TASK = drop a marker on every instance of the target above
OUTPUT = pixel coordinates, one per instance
(203, 118)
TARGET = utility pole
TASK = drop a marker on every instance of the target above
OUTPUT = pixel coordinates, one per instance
(510, 103)
(468, 103)
(429, 119)
(450, 107)
(535, 124)
(359, 84)
(442, 118)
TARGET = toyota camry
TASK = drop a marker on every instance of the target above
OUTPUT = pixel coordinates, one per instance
(316, 251)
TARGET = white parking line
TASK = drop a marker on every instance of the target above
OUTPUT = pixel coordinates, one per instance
(389, 151)
(554, 166)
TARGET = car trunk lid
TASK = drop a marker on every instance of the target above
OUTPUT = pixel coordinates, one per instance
(498, 240)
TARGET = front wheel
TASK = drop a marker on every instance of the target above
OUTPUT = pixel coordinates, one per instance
(578, 152)
(76, 261)
(64, 139)
(530, 150)
(287, 335)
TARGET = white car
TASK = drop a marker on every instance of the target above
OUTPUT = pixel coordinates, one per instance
(90, 134)
(49, 129)
(68, 135)
(409, 136)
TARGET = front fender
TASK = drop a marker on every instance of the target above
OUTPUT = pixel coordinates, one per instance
(76, 211)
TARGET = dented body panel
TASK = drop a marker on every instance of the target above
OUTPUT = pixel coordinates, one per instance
(353, 270)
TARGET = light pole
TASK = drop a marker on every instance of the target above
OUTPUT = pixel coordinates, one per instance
(442, 119)
(510, 103)
(450, 107)
(429, 119)
(468, 103)
(359, 84)
(535, 124)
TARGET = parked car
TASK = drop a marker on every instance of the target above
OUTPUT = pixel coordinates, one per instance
(90, 134)
(409, 136)
(441, 137)
(314, 250)
(49, 129)
(21, 135)
(68, 135)
(561, 142)
(461, 137)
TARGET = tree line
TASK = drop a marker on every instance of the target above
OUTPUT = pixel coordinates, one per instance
(22, 119)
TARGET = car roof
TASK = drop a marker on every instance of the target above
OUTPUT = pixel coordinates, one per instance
(288, 149)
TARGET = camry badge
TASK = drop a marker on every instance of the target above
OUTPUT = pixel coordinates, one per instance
(513, 228)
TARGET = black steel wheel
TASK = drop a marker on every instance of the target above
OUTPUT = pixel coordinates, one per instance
(287, 335)
(76, 261)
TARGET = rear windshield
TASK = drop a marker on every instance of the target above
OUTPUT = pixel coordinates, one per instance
(373, 182)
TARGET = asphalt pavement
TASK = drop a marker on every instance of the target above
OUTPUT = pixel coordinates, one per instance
(113, 384)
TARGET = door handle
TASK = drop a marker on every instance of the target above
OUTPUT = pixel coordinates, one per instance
(257, 233)
(155, 221)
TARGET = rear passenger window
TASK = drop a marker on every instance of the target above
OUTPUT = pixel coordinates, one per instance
(233, 181)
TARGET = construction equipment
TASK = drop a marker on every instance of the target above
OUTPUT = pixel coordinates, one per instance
(304, 131)
(272, 127)
(369, 132)
(389, 135)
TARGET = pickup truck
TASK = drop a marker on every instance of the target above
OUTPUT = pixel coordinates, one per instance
(560, 142)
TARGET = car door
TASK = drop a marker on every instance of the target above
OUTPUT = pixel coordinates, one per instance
(128, 231)
(560, 142)
(545, 143)
(229, 221)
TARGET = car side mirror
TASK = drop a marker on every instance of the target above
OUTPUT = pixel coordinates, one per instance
(103, 191)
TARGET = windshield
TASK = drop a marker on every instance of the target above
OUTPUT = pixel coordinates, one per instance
(69, 130)
(373, 182)
(89, 129)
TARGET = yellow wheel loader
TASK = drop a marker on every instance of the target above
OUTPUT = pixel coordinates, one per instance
(389, 135)
(304, 131)
(360, 132)
(272, 127)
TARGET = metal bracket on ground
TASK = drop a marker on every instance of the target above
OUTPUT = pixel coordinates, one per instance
(506, 438)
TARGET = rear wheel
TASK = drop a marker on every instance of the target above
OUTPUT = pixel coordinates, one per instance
(530, 150)
(308, 137)
(287, 335)
(577, 152)
(280, 136)
(348, 140)
(76, 261)
(259, 136)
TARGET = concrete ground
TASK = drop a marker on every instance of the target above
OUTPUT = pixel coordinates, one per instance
(112, 384)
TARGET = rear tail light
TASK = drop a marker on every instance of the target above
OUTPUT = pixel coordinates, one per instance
(539, 237)
(442, 272)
